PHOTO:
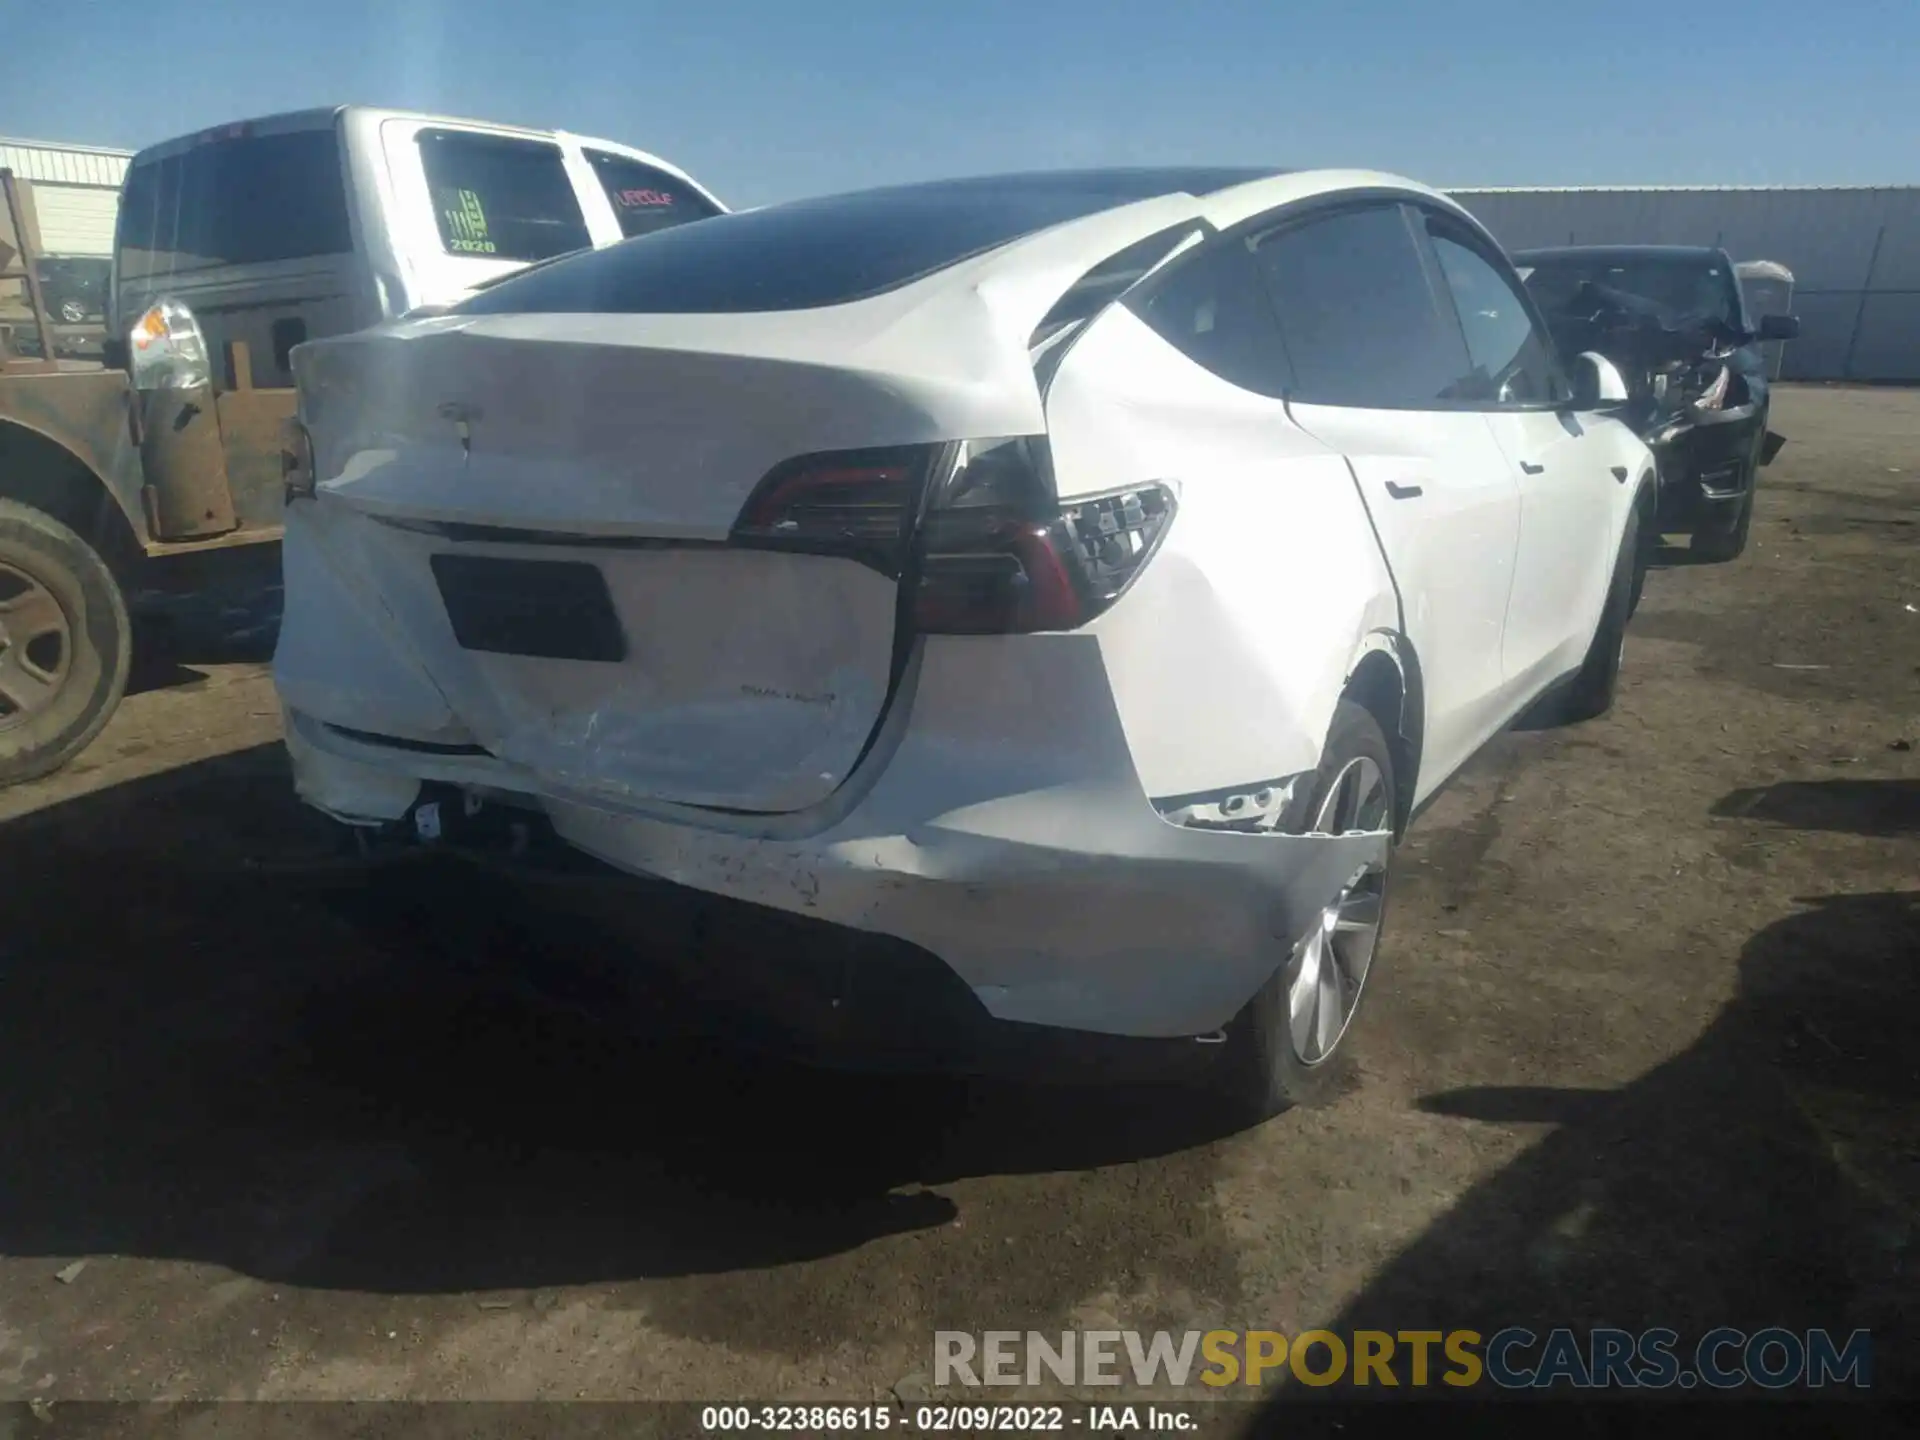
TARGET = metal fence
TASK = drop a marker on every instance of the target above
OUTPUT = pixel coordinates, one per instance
(1854, 254)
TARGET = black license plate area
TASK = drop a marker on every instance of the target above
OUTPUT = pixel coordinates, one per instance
(551, 609)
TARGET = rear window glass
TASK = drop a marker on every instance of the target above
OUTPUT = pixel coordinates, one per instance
(646, 199)
(1361, 323)
(245, 201)
(1213, 310)
(498, 197)
(827, 251)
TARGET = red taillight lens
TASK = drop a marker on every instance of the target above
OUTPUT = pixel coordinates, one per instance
(856, 503)
(999, 554)
(986, 550)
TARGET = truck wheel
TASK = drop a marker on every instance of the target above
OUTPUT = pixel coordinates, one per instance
(65, 642)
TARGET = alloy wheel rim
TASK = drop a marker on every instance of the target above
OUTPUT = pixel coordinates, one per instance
(1329, 965)
(36, 647)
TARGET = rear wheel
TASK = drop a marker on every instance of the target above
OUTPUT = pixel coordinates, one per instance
(65, 642)
(1590, 695)
(1290, 1045)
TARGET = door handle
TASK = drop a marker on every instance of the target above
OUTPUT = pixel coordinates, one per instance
(1402, 492)
(1532, 469)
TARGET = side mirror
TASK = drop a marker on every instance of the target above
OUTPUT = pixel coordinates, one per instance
(1597, 382)
(1778, 327)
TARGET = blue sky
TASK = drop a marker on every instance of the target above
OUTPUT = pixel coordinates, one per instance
(766, 100)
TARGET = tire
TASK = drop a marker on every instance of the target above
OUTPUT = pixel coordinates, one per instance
(1647, 551)
(1263, 1070)
(65, 643)
(1728, 541)
(1590, 694)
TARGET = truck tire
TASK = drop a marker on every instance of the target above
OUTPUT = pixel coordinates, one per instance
(65, 643)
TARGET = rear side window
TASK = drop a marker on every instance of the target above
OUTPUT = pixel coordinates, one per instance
(1212, 309)
(249, 200)
(499, 197)
(646, 199)
(1360, 319)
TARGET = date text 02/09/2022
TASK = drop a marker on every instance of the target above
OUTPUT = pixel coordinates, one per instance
(945, 1419)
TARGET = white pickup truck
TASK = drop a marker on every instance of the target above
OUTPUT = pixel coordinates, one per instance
(287, 229)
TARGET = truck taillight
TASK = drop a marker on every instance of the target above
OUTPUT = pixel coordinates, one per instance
(997, 553)
(974, 531)
(166, 350)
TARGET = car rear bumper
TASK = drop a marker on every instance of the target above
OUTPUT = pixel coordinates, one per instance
(1026, 857)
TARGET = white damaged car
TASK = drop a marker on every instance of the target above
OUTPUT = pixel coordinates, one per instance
(1076, 581)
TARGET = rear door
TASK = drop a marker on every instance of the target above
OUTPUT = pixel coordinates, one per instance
(1374, 357)
(1568, 496)
(473, 203)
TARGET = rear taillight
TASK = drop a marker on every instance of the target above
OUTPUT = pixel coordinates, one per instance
(974, 531)
(997, 553)
(858, 504)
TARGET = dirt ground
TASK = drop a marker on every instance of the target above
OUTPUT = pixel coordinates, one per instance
(1641, 1052)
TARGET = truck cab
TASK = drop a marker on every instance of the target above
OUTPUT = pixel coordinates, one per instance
(322, 222)
(234, 246)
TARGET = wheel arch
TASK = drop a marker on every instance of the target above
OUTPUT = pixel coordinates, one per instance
(1385, 681)
(1646, 495)
(38, 470)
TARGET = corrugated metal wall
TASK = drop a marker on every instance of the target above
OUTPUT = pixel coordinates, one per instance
(1854, 254)
(76, 192)
(64, 164)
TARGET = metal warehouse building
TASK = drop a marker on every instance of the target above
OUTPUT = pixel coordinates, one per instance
(1854, 254)
(76, 192)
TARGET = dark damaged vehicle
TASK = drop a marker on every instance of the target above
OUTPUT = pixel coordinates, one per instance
(1672, 319)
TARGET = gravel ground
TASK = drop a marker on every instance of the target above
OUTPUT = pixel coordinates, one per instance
(1640, 1053)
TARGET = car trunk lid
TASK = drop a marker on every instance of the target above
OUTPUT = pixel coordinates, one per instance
(551, 509)
(550, 524)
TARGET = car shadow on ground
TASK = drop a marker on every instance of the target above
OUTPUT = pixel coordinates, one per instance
(203, 1059)
(1879, 808)
(1666, 556)
(1767, 1176)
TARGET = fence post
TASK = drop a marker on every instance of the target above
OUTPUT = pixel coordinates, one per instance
(1860, 311)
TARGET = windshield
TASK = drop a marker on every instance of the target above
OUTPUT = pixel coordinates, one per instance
(1683, 288)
